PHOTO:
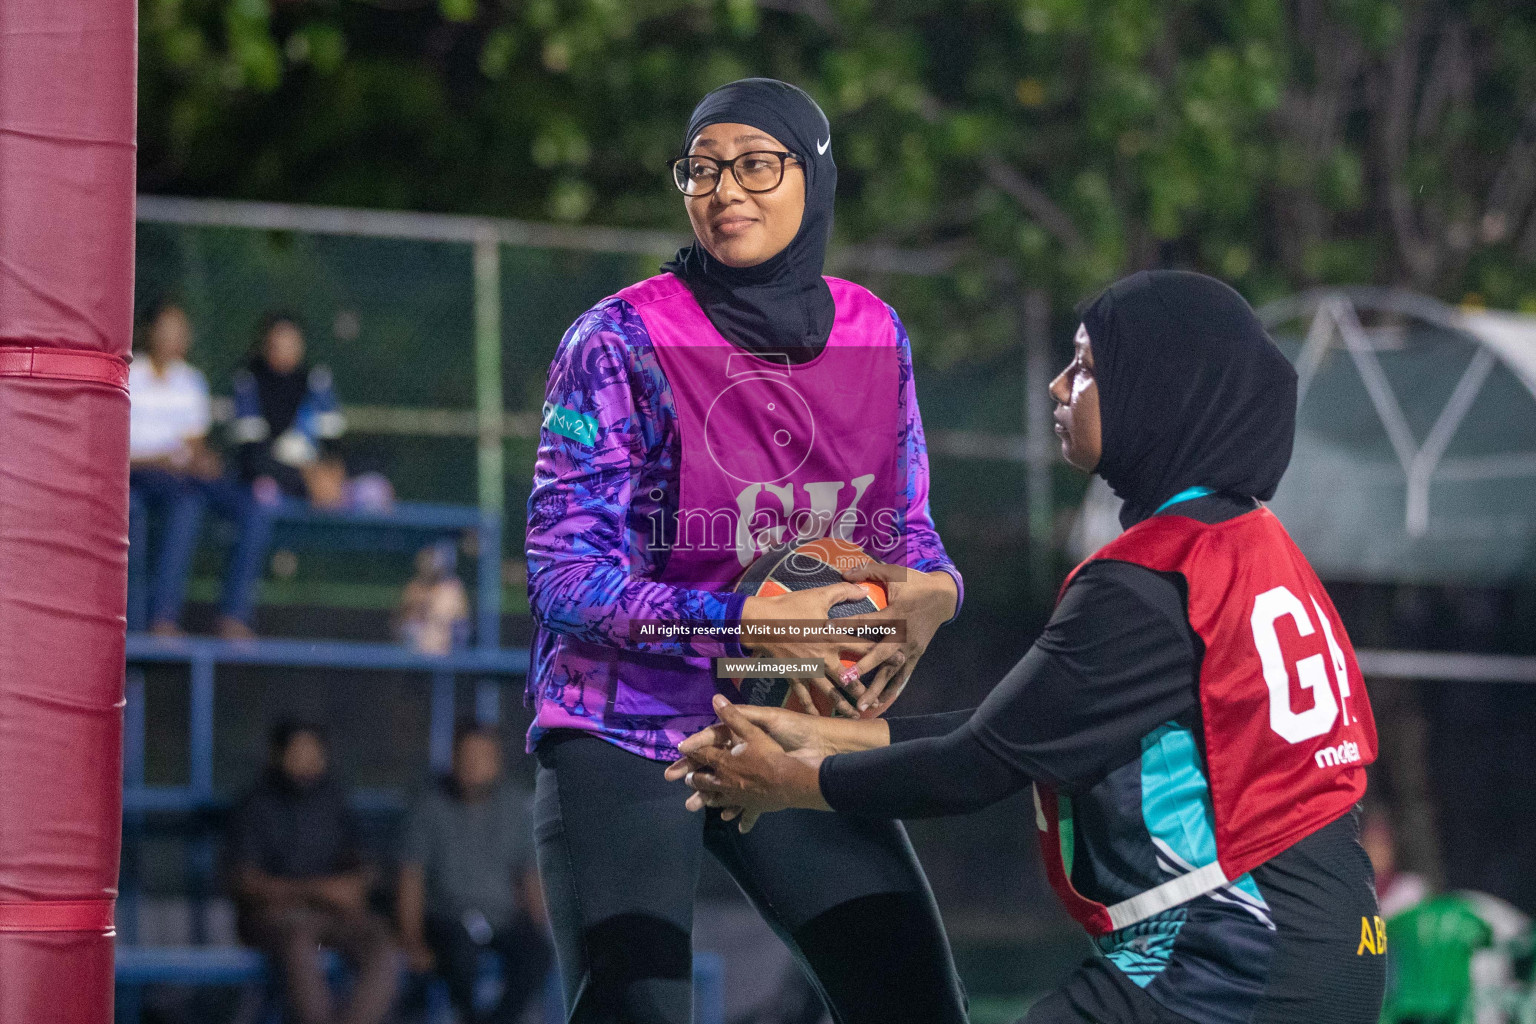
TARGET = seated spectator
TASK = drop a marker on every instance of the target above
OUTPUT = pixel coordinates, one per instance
(286, 418)
(175, 476)
(468, 882)
(433, 617)
(331, 488)
(301, 882)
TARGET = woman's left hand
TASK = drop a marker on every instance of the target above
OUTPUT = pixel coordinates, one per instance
(922, 600)
(754, 775)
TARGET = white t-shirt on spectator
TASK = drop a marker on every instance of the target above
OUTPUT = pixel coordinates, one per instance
(164, 411)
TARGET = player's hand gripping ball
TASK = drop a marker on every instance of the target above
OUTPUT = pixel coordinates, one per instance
(804, 566)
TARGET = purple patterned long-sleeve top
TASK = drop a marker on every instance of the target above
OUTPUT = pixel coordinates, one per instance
(606, 476)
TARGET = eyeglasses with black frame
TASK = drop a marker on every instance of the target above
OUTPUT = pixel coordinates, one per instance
(761, 170)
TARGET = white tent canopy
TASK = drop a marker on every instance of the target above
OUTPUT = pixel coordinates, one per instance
(1415, 456)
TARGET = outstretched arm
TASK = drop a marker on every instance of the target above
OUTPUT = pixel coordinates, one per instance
(766, 759)
(1115, 661)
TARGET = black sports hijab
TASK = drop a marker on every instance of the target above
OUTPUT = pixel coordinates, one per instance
(1192, 392)
(782, 304)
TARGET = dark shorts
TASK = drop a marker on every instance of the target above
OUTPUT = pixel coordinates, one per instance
(1313, 972)
(1098, 993)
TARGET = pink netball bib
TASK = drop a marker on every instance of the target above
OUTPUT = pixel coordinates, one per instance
(774, 451)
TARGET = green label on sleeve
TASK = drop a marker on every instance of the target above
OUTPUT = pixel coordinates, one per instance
(579, 427)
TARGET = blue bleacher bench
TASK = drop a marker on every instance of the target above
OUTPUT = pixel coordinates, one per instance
(189, 965)
(138, 966)
(403, 526)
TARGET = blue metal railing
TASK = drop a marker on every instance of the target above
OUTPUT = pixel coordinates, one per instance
(202, 656)
(138, 966)
(181, 965)
(357, 530)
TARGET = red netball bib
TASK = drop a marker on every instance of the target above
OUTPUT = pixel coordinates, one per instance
(1287, 724)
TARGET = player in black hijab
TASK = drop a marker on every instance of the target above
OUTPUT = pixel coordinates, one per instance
(618, 854)
(1192, 393)
(1179, 400)
(782, 304)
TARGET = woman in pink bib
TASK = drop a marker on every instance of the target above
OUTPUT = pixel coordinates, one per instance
(735, 402)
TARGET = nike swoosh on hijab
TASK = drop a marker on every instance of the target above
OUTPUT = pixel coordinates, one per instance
(782, 305)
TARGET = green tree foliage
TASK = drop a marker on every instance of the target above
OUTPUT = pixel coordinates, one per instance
(1056, 143)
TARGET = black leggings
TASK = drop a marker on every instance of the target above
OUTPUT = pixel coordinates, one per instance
(619, 857)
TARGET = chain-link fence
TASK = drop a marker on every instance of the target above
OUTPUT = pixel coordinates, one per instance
(439, 331)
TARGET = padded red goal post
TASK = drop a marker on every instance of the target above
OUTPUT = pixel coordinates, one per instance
(67, 93)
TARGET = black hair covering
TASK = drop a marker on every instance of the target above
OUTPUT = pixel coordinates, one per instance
(1192, 392)
(280, 394)
(782, 304)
